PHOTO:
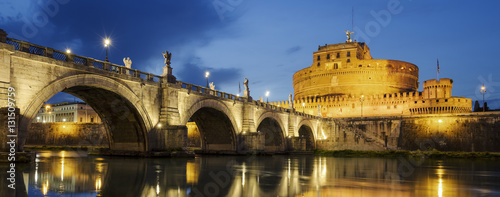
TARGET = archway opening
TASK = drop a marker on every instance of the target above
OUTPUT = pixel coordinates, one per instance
(273, 134)
(215, 128)
(193, 136)
(306, 133)
(122, 125)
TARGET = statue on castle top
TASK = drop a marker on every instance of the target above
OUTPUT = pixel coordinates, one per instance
(349, 33)
(168, 57)
(290, 101)
(128, 62)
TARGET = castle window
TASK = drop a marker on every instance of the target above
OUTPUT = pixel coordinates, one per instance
(328, 56)
(338, 55)
(402, 67)
(437, 101)
(319, 64)
(360, 66)
(348, 54)
(319, 57)
(395, 106)
(348, 60)
(335, 66)
(445, 100)
(415, 102)
(423, 101)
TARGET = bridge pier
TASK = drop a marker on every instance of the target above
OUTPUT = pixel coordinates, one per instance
(251, 142)
(168, 138)
(296, 144)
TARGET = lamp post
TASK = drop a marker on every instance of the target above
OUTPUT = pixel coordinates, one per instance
(361, 100)
(206, 76)
(107, 42)
(267, 96)
(483, 90)
(303, 107)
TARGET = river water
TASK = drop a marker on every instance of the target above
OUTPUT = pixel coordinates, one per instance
(72, 173)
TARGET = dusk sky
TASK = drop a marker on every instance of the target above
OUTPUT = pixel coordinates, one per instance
(268, 41)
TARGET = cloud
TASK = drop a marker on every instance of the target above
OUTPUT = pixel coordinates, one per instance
(194, 72)
(293, 50)
(14, 11)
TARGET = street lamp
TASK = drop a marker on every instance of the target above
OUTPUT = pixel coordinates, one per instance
(68, 51)
(206, 76)
(107, 42)
(483, 90)
(303, 107)
(267, 96)
(361, 100)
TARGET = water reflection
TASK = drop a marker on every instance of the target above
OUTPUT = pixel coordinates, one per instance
(69, 174)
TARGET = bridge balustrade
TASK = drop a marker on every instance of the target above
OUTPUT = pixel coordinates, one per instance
(79, 60)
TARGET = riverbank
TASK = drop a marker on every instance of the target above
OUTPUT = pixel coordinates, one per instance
(434, 154)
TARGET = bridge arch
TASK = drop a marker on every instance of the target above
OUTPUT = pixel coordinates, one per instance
(126, 119)
(271, 125)
(215, 122)
(306, 130)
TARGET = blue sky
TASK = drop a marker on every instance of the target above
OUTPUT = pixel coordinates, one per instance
(268, 41)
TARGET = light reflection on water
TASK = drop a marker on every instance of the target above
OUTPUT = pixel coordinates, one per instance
(67, 173)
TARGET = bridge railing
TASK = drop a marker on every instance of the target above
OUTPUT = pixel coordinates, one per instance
(207, 91)
(80, 60)
(271, 106)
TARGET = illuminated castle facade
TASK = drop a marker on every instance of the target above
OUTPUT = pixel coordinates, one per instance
(345, 81)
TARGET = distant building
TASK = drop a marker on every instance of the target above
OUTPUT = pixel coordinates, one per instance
(67, 112)
(345, 81)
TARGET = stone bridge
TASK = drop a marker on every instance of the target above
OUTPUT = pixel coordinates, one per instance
(143, 112)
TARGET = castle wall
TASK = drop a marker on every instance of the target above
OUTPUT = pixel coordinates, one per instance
(348, 69)
(444, 132)
(396, 104)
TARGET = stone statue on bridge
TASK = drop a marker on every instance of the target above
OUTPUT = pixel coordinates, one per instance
(246, 92)
(168, 57)
(290, 101)
(212, 86)
(128, 62)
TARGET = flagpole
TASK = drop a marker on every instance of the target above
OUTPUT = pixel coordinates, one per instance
(437, 69)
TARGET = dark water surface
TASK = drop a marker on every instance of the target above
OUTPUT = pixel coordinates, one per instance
(68, 173)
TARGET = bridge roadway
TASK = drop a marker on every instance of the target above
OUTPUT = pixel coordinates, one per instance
(145, 113)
